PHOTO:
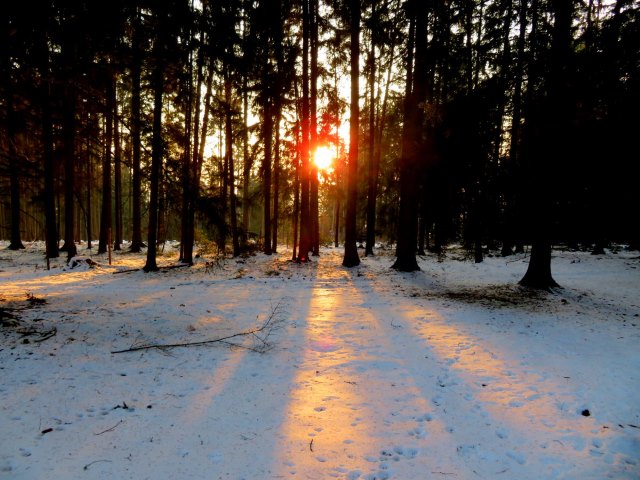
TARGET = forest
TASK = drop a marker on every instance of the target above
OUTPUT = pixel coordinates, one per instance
(498, 124)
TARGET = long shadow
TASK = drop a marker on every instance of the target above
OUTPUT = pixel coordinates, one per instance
(494, 409)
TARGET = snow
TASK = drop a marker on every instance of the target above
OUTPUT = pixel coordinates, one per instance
(363, 373)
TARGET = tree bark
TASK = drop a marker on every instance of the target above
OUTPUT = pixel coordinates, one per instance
(156, 161)
(117, 177)
(105, 211)
(14, 175)
(233, 215)
(136, 182)
(266, 171)
(69, 129)
(408, 220)
(549, 130)
(304, 245)
(49, 203)
(373, 168)
(351, 257)
(313, 127)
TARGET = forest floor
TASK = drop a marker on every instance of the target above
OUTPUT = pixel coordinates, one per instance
(453, 372)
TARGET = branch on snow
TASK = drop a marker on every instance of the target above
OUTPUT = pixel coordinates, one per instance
(259, 334)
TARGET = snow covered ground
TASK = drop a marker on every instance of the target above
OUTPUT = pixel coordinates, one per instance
(365, 373)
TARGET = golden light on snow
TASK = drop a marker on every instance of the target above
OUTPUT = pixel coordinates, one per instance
(324, 418)
(323, 157)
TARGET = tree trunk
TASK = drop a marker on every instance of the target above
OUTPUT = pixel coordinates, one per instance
(408, 221)
(336, 226)
(233, 215)
(14, 176)
(187, 228)
(296, 195)
(247, 162)
(351, 258)
(156, 163)
(305, 220)
(117, 177)
(538, 273)
(313, 134)
(266, 171)
(105, 212)
(51, 232)
(69, 129)
(136, 183)
(511, 222)
(276, 182)
(373, 168)
(550, 125)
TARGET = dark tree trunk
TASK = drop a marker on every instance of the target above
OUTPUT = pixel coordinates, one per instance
(69, 128)
(51, 232)
(538, 273)
(409, 163)
(105, 211)
(351, 257)
(305, 220)
(187, 228)
(266, 169)
(89, 213)
(313, 185)
(551, 124)
(246, 162)
(117, 178)
(233, 215)
(136, 182)
(296, 197)
(336, 226)
(511, 222)
(14, 176)
(276, 183)
(373, 168)
(156, 163)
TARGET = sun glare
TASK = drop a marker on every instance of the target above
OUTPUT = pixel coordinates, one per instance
(324, 157)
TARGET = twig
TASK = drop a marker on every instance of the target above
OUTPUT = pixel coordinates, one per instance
(110, 429)
(311, 445)
(128, 270)
(46, 336)
(166, 267)
(224, 340)
(86, 467)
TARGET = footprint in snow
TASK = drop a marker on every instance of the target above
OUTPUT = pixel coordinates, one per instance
(518, 457)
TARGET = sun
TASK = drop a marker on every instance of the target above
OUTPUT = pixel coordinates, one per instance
(323, 158)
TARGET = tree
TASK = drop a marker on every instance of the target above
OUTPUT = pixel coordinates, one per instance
(304, 245)
(41, 30)
(549, 133)
(158, 72)
(351, 257)
(11, 121)
(411, 141)
(106, 208)
(136, 144)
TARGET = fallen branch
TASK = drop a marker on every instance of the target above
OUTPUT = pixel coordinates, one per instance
(166, 267)
(46, 335)
(110, 429)
(266, 327)
(129, 270)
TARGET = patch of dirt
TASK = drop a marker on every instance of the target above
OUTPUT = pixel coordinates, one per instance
(494, 296)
